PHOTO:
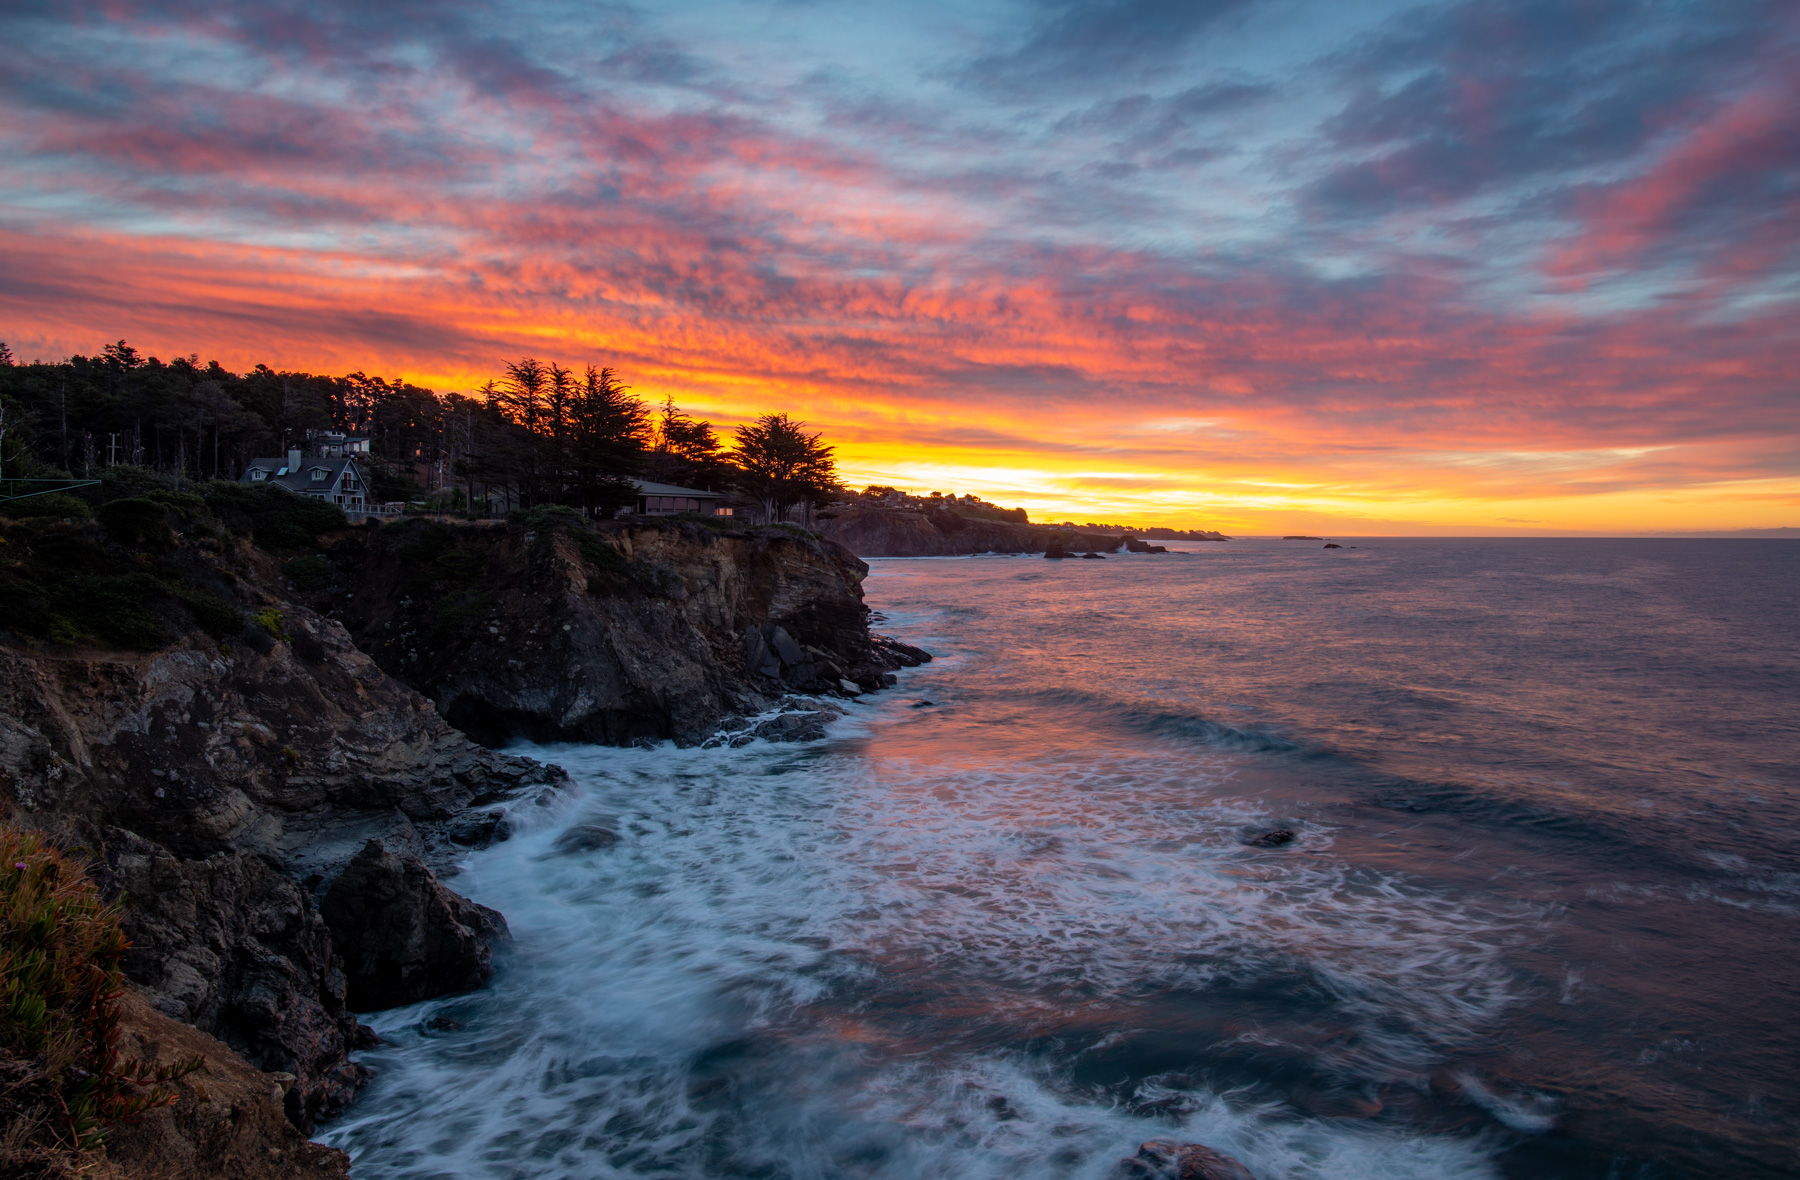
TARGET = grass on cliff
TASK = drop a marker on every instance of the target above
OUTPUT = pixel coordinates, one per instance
(60, 1071)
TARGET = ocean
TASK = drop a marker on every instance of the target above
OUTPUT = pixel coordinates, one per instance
(1539, 915)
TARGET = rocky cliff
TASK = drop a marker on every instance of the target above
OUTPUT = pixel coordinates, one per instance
(217, 787)
(890, 532)
(560, 629)
(265, 786)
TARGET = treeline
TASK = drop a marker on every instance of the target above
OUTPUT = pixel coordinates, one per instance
(538, 433)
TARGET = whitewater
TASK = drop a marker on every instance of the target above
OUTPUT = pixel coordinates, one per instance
(1009, 919)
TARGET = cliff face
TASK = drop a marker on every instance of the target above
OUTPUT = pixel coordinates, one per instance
(613, 633)
(889, 532)
(216, 788)
(275, 806)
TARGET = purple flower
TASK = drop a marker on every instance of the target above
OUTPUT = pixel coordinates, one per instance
(20, 865)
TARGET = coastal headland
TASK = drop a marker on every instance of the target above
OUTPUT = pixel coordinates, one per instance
(236, 712)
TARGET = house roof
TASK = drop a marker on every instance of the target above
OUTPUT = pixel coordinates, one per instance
(300, 478)
(646, 488)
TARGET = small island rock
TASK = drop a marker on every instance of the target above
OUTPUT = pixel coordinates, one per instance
(1171, 1159)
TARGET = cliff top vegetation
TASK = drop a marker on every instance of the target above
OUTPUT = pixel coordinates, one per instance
(538, 433)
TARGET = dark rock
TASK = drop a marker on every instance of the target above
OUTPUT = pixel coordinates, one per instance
(479, 829)
(584, 838)
(1170, 1159)
(794, 727)
(229, 944)
(785, 647)
(1274, 839)
(554, 634)
(1333, 546)
(1133, 545)
(403, 936)
(923, 704)
(1093, 557)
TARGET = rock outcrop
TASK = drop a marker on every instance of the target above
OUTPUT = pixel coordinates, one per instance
(1171, 1159)
(617, 633)
(402, 935)
(217, 787)
(275, 807)
(227, 1120)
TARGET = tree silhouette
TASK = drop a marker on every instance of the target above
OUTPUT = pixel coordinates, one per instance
(783, 467)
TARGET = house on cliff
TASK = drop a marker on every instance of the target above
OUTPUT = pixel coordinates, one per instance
(336, 479)
(666, 499)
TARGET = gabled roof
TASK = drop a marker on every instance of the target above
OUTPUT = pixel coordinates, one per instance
(300, 478)
(646, 488)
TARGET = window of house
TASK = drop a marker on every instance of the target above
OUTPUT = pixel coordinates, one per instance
(257, 475)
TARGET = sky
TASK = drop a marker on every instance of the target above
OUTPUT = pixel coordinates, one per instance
(1500, 266)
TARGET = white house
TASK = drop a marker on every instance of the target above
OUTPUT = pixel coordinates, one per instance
(334, 479)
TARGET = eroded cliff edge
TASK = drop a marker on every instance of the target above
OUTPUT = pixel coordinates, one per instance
(258, 765)
(559, 629)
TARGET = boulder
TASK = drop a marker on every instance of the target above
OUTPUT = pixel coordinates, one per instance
(584, 838)
(1171, 1159)
(1274, 839)
(794, 727)
(403, 936)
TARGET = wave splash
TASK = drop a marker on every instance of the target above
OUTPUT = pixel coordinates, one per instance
(816, 962)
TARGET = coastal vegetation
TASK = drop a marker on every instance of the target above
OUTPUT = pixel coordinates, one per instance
(539, 433)
(60, 984)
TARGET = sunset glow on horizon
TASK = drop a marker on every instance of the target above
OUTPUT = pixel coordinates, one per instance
(1483, 267)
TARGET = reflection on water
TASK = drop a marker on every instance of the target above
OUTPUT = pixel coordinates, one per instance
(1018, 931)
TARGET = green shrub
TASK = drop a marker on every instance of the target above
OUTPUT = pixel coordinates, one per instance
(138, 523)
(548, 516)
(214, 615)
(60, 947)
(58, 505)
(126, 482)
(276, 518)
(309, 573)
(272, 621)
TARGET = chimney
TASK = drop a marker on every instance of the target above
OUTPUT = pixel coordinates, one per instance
(293, 461)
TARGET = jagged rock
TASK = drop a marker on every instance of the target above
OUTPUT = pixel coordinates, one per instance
(209, 785)
(794, 727)
(404, 937)
(538, 634)
(1170, 1159)
(1274, 839)
(1334, 546)
(479, 829)
(227, 1118)
(231, 944)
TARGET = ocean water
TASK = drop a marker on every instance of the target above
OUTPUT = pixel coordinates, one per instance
(1540, 918)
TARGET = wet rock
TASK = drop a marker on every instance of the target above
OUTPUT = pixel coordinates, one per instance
(584, 838)
(794, 727)
(479, 829)
(1093, 557)
(403, 936)
(1133, 545)
(1170, 1159)
(923, 704)
(1274, 839)
(1333, 546)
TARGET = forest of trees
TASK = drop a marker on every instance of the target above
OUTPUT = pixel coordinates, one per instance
(539, 433)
